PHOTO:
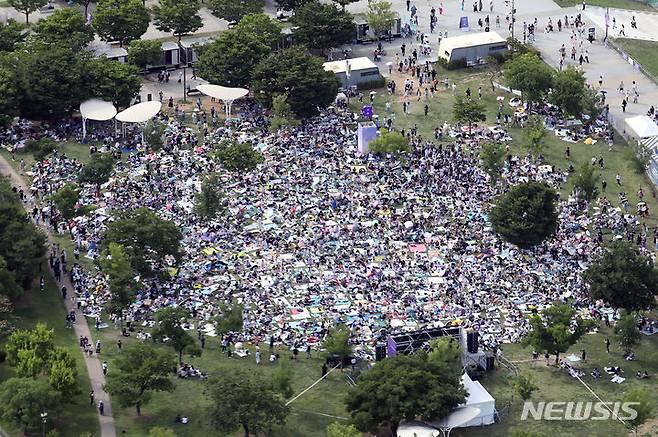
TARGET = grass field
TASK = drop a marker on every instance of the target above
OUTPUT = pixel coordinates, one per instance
(619, 4)
(643, 52)
(36, 307)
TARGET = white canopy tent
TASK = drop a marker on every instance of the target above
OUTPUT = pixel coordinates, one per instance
(96, 109)
(139, 113)
(642, 126)
(225, 94)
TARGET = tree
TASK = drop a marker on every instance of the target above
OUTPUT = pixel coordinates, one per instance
(234, 10)
(556, 329)
(535, 131)
(26, 7)
(524, 385)
(9, 101)
(242, 398)
(161, 432)
(526, 214)
(98, 170)
(115, 263)
(6, 310)
(403, 387)
(337, 343)
(230, 318)
(169, 324)
(530, 75)
(8, 285)
(232, 57)
(121, 20)
(41, 340)
(282, 115)
(11, 34)
(623, 277)
(302, 77)
(493, 159)
(380, 16)
(322, 26)
(627, 332)
(62, 377)
(238, 157)
(65, 26)
(282, 380)
(336, 429)
(467, 111)
(113, 81)
(85, 4)
(137, 372)
(642, 404)
(22, 400)
(344, 3)
(261, 25)
(66, 199)
(568, 91)
(526, 434)
(389, 143)
(586, 182)
(291, 5)
(143, 52)
(154, 133)
(181, 17)
(146, 238)
(210, 201)
(446, 356)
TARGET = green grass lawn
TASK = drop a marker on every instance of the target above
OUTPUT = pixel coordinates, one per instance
(619, 4)
(643, 52)
(36, 307)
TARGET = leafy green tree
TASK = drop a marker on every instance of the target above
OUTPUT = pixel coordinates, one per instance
(137, 372)
(121, 20)
(337, 342)
(493, 159)
(380, 16)
(169, 325)
(467, 111)
(586, 182)
(291, 5)
(234, 10)
(623, 277)
(322, 26)
(65, 199)
(98, 170)
(85, 4)
(181, 17)
(282, 115)
(26, 7)
(643, 405)
(389, 143)
(62, 377)
(569, 91)
(145, 237)
(113, 81)
(161, 432)
(8, 90)
(530, 75)
(344, 3)
(154, 133)
(143, 52)
(282, 380)
(6, 311)
(446, 355)
(230, 318)
(11, 34)
(22, 400)
(302, 77)
(336, 429)
(115, 263)
(526, 214)
(524, 385)
(65, 26)
(403, 387)
(41, 148)
(556, 329)
(238, 157)
(243, 398)
(535, 132)
(627, 332)
(41, 340)
(210, 201)
(8, 285)
(232, 57)
(261, 25)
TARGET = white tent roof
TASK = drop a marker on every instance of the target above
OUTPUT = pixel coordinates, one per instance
(417, 429)
(140, 113)
(642, 126)
(355, 64)
(222, 92)
(470, 40)
(459, 417)
(97, 109)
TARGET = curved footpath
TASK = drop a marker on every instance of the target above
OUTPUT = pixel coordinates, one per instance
(81, 327)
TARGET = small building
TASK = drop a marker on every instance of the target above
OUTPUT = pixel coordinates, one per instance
(365, 34)
(112, 51)
(352, 72)
(473, 47)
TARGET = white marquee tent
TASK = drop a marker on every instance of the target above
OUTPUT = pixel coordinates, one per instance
(97, 110)
(225, 94)
(641, 126)
(139, 113)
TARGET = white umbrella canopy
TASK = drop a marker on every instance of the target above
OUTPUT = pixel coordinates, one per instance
(140, 113)
(222, 92)
(98, 110)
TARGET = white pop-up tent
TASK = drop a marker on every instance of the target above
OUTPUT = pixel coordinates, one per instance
(139, 113)
(225, 94)
(97, 110)
(641, 126)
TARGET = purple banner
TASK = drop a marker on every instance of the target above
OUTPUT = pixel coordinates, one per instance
(391, 347)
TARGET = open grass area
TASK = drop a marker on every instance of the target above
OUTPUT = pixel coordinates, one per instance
(619, 4)
(47, 307)
(643, 52)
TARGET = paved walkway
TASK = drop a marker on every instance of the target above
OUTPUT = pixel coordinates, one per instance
(81, 327)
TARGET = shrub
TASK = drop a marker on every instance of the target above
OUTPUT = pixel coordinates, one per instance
(40, 149)
(455, 64)
(389, 143)
(3, 355)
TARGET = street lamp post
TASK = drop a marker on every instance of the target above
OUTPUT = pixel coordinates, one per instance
(44, 419)
(185, 84)
(512, 19)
